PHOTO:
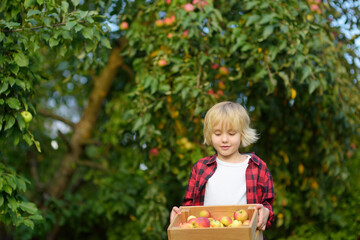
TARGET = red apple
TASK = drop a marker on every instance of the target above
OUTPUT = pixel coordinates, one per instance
(162, 62)
(210, 92)
(170, 35)
(124, 26)
(226, 220)
(246, 222)
(154, 152)
(201, 222)
(186, 225)
(315, 8)
(204, 213)
(167, 21)
(190, 217)
(220, 92)
(214, 66)
(223, 71)
(189, 7)
(167, 2)
(241, 215)
(185, 33)
(222, 85)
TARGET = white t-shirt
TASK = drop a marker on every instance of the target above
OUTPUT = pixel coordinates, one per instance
(228, 184)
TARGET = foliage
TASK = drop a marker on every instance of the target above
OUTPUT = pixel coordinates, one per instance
(290, 65)
(14, 208)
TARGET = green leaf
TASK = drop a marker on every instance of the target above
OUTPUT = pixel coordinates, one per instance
(313, 85)
(285, 77)
(88, 33)
(21, 59)
(3, 87)
(1, 200)
(20, 84)
(37, 145)
(75, 2)
(69, 25)
(7, 189)
(13, 103)
(28, 207)
(9, 123)
(268, 31)
(306, 71)
(53, 42)
(64, 6)
(105, 42)
(32, 12)
(29, 3)
(29, 223)
(252, 19)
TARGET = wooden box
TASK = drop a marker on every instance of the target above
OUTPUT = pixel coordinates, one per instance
(229, 233)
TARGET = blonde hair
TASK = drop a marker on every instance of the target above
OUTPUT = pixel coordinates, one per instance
(229, 115)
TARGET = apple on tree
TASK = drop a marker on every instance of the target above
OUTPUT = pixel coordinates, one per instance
(27, 116)
(124, 25)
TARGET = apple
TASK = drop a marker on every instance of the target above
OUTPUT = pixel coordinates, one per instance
(214, 66)
(124, 26)
(226, 220)
(190, 217)
(223, 71)
(201, 222)
(186, 225)
(222, 85)
(162, 62)
(246, 222)
(315, 8)
(189, 7)
(159, 23)
(241, 215)
(170, 35)
(185, 33)
(220, 92)
(205, 213)
(235, 223)
(154, 152)
(215, 223)
(210, 92)
(167, 2)
(27, 116)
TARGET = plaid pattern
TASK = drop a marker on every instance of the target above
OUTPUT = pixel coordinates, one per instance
(259, 183)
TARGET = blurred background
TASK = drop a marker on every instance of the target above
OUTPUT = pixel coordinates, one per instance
(102, 105)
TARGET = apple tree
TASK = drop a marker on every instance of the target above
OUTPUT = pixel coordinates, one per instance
(118, 90)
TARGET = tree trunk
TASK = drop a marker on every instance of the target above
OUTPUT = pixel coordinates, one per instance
(83, 129)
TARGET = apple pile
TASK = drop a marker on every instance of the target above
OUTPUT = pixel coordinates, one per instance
(205, 220)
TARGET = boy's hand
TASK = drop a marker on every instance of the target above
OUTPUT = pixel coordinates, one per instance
(174, 211)
(263, 216)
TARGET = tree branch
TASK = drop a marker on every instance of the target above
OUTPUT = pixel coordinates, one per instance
(52, 115)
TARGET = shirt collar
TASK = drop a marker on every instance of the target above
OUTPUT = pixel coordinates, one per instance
(212, 159)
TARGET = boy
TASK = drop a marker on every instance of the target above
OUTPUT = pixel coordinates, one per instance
(229, 177)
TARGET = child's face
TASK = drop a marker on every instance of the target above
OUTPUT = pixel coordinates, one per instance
(226, 141)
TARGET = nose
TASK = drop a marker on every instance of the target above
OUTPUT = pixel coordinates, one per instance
(224, 138)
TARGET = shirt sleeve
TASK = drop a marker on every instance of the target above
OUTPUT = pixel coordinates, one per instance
(268, 197)
(189, 194)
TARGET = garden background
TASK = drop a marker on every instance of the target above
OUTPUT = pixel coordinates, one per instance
(118, 91)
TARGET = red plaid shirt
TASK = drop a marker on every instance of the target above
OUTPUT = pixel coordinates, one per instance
(259, 183)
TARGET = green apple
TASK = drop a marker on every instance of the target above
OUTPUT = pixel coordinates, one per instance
(27, 116)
